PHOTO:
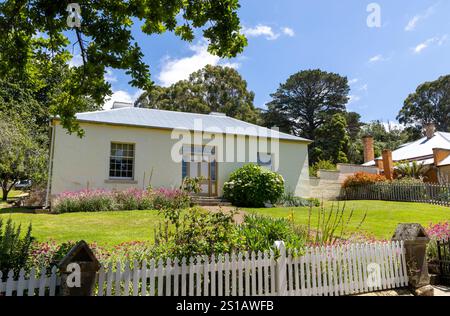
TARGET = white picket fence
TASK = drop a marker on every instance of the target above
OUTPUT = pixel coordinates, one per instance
(36, 283)
(335, 271)
(319, 271)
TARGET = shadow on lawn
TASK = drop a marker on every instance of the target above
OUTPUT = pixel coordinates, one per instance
(5, 209)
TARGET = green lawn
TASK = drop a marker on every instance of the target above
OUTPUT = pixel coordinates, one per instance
(382, 217)
(105, 228)
(112, 228)
(12, 194)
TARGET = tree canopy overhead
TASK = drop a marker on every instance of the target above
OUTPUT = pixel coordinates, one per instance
(211, 89)
(306, 101)
(430, 103)
(39, 30)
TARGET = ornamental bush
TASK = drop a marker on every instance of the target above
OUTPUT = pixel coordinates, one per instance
(14, 247)
(362, 178)
(253, 186)
(128, 200)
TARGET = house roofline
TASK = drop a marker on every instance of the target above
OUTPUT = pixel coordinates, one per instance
(57, 119)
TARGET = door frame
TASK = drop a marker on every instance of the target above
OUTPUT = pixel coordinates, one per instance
(211, 183)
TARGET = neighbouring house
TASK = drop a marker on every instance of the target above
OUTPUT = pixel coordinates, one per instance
(129, 147)
(432, 151)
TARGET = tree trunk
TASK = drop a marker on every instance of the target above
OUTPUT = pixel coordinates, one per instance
(5, 194)
(5, 190)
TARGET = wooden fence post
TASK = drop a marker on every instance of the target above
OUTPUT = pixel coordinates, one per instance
(280, 271)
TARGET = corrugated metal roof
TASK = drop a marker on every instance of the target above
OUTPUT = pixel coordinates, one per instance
(213, 123)
(422, 148)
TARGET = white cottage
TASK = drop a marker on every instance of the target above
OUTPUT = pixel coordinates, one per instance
(134, 147)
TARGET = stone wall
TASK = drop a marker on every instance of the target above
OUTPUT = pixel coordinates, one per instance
(327, 185)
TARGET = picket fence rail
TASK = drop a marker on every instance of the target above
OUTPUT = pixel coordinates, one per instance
(37, 282)
(437, 194)
(318, 271)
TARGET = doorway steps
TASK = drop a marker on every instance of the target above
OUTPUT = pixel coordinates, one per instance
(210, 201)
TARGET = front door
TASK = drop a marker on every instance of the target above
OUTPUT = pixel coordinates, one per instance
(206, 168)
(206, 171)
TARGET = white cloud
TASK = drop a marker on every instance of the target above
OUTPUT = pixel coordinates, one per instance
(174, 70)
(412, 23)
(76, 61)
(364, 87)
(109, 76)
(377, 58)
(261, 30)
(288, 31)
(434, 40)
(353, 98)
(353, 81)
(121, 96)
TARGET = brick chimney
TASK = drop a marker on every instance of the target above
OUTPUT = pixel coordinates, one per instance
(430, 129)
(379, 164)
(369, 153)
(440, 154)
(388, 164)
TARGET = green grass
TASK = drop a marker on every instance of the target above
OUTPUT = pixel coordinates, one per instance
(105, 228)
(112, 228)
(12, 194)
(382, 217)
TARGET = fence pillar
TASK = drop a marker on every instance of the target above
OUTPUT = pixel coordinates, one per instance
(415, 240)
(280, 271)
(78, 271)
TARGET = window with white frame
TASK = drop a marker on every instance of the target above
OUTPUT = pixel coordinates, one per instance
(121, 161)
(265, 160)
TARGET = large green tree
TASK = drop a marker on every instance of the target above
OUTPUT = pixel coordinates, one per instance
(21, 156)
(211, 89)
(430, 103)
(39, 30)
(305, 102)
(332, 140)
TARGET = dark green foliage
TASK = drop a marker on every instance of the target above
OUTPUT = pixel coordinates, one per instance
(290, 200)
(332, 140)
(260, 233)
(211, 89)
(321, 165)
(37, 32)
(430, 103)
(14, 248)
(305, 102)
(253, 186)
(201, 233)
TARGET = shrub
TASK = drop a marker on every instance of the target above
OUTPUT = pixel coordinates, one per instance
(131, 199)
(253, 186)
(85, 201)
(198, 232)
(290, 200)
(14, 248)
(437, 232)
(362, 178)
(260, 233)
(170, 199)
(321, 165)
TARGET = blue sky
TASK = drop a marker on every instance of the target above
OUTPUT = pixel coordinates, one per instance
(383, 64)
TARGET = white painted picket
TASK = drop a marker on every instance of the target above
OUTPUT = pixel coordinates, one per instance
(36, 283)
(346, 270)
(224, 275)
(325, 271)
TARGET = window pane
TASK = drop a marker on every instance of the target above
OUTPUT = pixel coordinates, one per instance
(121, 162)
